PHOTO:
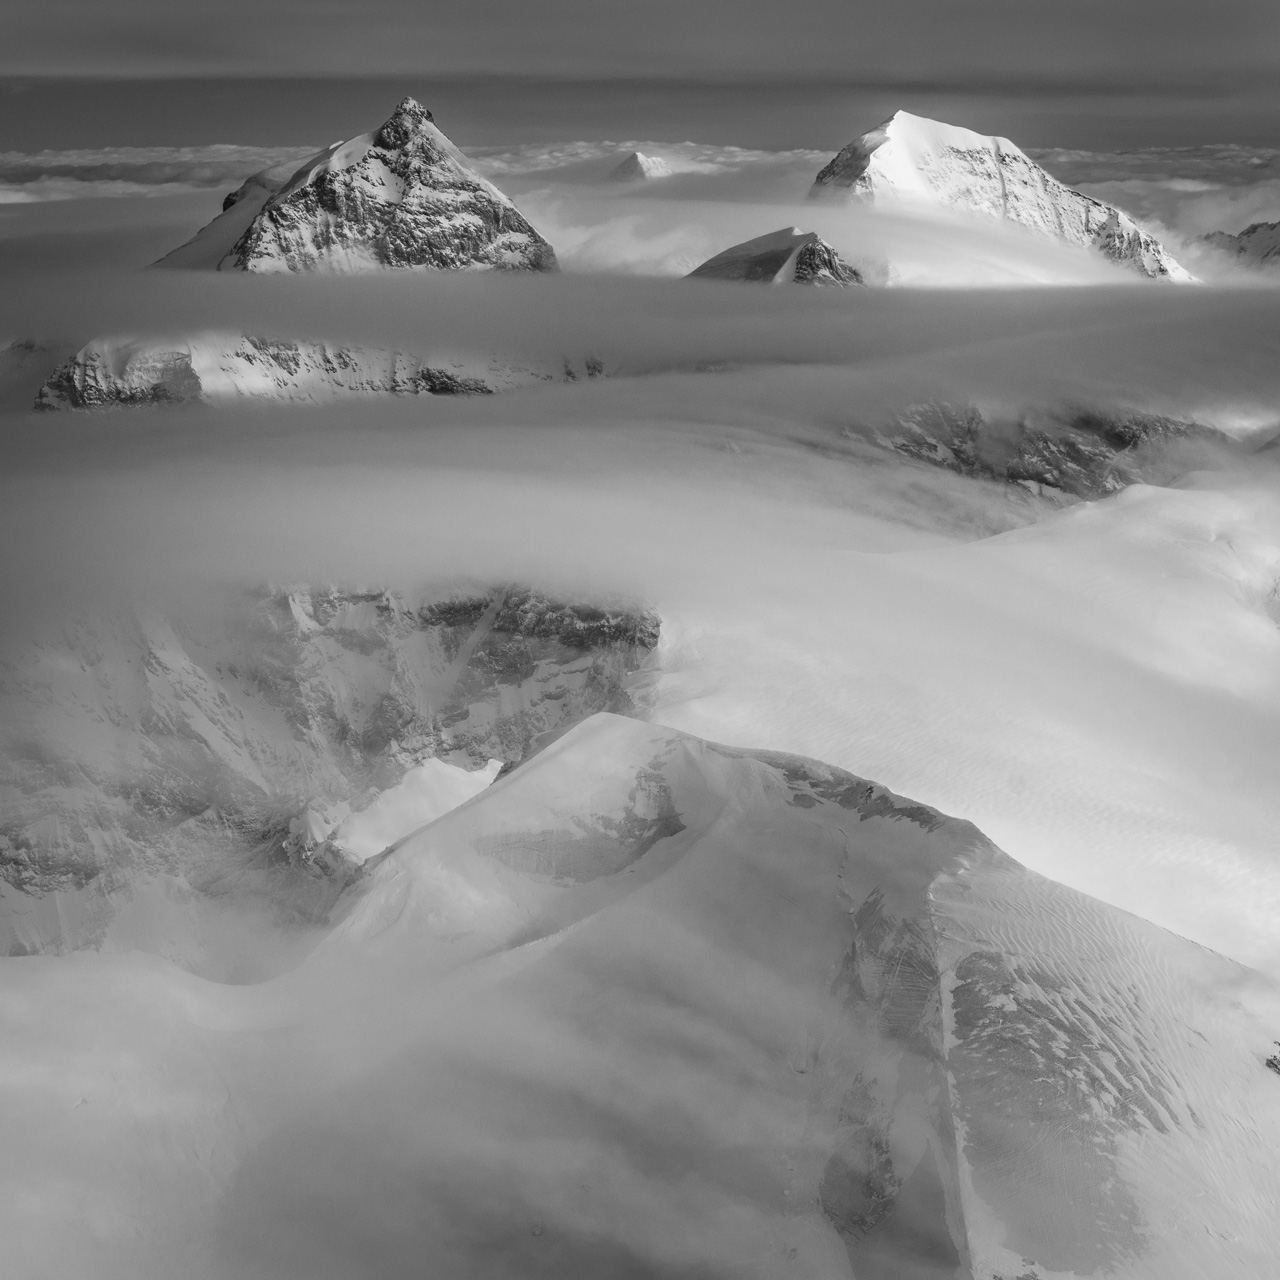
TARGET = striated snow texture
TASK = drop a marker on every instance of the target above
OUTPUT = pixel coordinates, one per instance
(653, 1007)
(788, 256)
(403, 196)
(1258, 245)
(912, 159)
(225, 368)
(638, 167)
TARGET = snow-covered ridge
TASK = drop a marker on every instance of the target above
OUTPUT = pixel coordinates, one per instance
(1258, 245)
(225, 368)
(788, 256)
(401, 196)
(976, 1069)
(911, 159)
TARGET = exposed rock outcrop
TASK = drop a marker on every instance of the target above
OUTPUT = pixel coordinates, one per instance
(1072, 453)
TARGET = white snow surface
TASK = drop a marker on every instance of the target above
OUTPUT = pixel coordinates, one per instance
(212, 245)
(425, 793)
(909, 159)
(650, 1006)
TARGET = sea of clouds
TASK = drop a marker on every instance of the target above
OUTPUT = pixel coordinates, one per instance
(1182, 192)
(1098, 689)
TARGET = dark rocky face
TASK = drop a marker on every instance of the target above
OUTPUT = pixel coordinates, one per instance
(1077, 453)
(818, 263)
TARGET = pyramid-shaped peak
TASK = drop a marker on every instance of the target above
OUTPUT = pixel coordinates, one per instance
(786, 256)
(401, 196)
(407, 119)
(928, 162)
(638, 166)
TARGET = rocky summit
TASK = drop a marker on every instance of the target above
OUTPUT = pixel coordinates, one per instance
(402, 196)
(910, 159)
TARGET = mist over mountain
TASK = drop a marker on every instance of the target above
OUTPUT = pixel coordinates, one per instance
(590, 705)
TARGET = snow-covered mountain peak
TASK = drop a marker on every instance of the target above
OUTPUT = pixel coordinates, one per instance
(400, 196)
(787, 256)
(637, 167)
(909, 158)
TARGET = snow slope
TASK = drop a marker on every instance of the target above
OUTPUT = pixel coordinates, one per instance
(402, 196)
(212, 244)
(649, 1006)
(912, 160)
(788, 256)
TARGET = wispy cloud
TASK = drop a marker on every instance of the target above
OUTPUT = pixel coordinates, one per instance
(131, 171)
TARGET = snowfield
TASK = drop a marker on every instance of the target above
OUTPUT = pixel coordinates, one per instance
(650, 1005)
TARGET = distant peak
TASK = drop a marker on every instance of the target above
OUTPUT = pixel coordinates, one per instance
(638, 165)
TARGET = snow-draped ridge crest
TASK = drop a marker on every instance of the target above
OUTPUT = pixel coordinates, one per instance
(401, 196)
(910, 158)
(1258, 245)
(788, 256)
(228, 367)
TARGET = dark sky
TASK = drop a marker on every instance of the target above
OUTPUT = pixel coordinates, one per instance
(1084, 73)
(1140, 41)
